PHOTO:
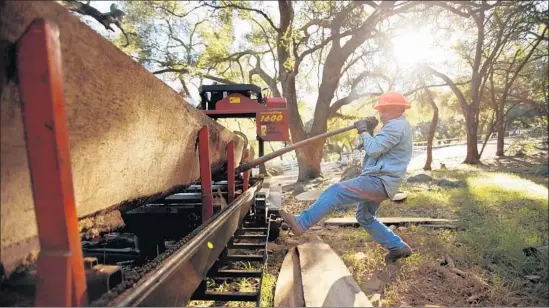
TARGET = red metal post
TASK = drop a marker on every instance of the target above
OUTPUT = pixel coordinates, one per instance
(230, 171)
(246, 175)
(205, 172)
(61, 279)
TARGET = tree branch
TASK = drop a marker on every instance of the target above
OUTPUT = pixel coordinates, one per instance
(500, 43)
(433, 86)
(524, 61)
(268, 44)
(237, 55)
(461, 98)
(359, 31)
(199, 74)
(445, 5)
(239, 7)
(172, 36)
(106, 19)
(347, 100)
(173, 13)
(271, 82)
(353, 94)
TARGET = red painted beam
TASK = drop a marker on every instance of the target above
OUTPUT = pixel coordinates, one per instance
(61, 279)
(230, 171)
(246, 175)
(205, 173)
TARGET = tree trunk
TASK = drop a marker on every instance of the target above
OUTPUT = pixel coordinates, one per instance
(500, 129)
(481, 127)
(432, 130)
(309, 159)
(490, 130)
(472, 140)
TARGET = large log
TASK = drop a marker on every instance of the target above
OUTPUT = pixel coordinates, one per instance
(132, 138)
(326, 280)
(313, 275)
(288, 289)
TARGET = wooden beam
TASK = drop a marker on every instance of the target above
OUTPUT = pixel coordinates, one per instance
(131, 137)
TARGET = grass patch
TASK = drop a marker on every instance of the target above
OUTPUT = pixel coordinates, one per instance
(499, 214)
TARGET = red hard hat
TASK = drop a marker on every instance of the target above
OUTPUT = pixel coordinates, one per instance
(391, 99)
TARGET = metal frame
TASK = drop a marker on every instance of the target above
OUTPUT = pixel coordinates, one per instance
(246, 176)
(230, 172)
(175, 280)
(61, 279)
(202, 293)
(205, 173)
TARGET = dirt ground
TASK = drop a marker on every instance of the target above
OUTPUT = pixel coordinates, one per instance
(495, 256)
(502, 213)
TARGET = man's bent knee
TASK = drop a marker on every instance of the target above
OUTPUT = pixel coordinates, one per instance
(334, 188)
(364, 221)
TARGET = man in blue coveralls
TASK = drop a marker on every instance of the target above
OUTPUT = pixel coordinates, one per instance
(388, 154)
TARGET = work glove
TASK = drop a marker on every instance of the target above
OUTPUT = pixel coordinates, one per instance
(366, 125)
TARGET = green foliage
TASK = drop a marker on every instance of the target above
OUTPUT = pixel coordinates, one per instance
(206, 41)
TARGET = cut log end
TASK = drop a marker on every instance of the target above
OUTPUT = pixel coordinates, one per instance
(313, 275)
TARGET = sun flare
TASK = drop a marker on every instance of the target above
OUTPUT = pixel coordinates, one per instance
(413, 46)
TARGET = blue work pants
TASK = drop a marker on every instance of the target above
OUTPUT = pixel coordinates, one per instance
(368, 192)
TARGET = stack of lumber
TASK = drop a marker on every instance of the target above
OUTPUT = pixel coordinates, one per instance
(131, 136)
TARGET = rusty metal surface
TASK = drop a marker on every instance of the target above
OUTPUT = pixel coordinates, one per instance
(177, 274)
(60, 270)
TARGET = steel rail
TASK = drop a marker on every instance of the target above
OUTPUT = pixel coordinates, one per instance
(174, 281)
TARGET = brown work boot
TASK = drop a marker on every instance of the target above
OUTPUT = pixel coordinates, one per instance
(289, 219)
(396, 254)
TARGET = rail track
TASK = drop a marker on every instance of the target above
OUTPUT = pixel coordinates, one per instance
(170, 265)
(168, 251)
(171, 250)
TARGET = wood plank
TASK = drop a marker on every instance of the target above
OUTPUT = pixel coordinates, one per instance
(312, 195)
(351, 221)
(326, 280)
(131, 136)
(288, 289)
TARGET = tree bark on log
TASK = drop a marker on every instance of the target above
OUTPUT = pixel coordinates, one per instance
(132, 138)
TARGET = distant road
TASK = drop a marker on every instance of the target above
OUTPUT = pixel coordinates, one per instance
(450, 155)
(454, 152)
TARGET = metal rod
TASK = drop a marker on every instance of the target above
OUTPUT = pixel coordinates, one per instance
(205, 173)
(231, 174)
(275, 154)
(246, 175)
(61, 279)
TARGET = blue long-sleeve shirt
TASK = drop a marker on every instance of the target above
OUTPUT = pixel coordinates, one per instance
(388, 153)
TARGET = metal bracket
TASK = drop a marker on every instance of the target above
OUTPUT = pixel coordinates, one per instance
(230, 172)
(61, 279)
(205, 173)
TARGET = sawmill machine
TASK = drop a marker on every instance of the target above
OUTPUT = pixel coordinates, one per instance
(131, 196)
(247, 101)
(169, 225)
